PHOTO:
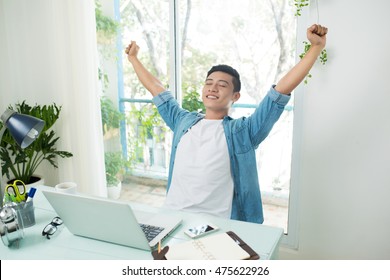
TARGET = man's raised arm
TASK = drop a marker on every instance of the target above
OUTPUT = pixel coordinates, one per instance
(151, 83)
(316, 34)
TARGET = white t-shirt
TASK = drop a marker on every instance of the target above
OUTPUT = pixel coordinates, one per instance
(201, 180)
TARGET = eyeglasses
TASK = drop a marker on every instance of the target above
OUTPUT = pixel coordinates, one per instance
(51, 228)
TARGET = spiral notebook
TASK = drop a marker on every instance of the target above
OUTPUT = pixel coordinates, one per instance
(222, 246)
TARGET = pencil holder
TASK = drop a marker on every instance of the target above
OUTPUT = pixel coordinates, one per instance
(11, 226)
(26, 213)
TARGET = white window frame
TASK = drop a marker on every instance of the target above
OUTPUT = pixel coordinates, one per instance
(291, 240)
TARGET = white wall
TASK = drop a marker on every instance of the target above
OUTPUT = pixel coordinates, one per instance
(344, 169)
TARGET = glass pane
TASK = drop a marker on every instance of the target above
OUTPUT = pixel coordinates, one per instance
(147, 23)
(258, 39)
(148, 140)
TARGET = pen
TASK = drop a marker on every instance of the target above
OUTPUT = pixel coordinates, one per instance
(159, 247)
(31, 194)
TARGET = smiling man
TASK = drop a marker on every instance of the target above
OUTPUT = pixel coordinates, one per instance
(221, 82)
(213, 162)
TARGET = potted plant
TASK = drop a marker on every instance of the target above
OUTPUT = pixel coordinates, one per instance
(115, 168)
(114, 161)
(21, 164)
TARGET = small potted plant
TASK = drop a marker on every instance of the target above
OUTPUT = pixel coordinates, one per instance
(114, 161)
(21, 164)
(115, 167)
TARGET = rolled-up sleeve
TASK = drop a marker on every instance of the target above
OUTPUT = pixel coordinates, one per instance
(162, 98)
(277, 97)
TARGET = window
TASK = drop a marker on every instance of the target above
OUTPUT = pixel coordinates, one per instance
(180, 41)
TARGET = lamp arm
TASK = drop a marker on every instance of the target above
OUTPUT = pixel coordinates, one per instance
(1, 169)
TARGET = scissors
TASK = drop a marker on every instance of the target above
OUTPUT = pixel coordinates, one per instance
(17, 191)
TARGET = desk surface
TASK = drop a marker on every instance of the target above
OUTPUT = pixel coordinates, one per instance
(63, 245)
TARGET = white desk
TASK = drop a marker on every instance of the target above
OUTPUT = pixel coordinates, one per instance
(63, 245)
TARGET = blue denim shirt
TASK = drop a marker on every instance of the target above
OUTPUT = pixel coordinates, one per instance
(243, 136)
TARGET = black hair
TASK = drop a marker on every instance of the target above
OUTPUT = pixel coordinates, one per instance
(228, 70)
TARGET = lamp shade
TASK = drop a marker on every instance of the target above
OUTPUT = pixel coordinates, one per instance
(23, 128)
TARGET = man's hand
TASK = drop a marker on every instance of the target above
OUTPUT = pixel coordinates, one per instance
(316, 34)
(132, 50)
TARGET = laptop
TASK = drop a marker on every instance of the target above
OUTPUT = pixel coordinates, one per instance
(111, 221)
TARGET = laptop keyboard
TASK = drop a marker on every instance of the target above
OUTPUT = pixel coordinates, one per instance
(151, 231)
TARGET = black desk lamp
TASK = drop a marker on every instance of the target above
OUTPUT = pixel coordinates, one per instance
(23, 128)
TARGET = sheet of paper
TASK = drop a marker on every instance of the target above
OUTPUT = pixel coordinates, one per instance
(214, 247)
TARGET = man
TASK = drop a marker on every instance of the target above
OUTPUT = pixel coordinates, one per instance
(213, 162)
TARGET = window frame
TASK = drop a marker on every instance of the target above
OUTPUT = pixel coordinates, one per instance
(289, 240)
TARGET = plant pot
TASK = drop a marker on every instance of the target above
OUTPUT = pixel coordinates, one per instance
(114, 192)
(36, 180)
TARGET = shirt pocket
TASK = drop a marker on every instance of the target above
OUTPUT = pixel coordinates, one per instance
(241, 141)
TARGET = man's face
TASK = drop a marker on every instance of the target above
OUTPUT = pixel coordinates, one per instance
(217, 93)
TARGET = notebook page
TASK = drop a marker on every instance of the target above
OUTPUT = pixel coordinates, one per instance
(214, 247)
